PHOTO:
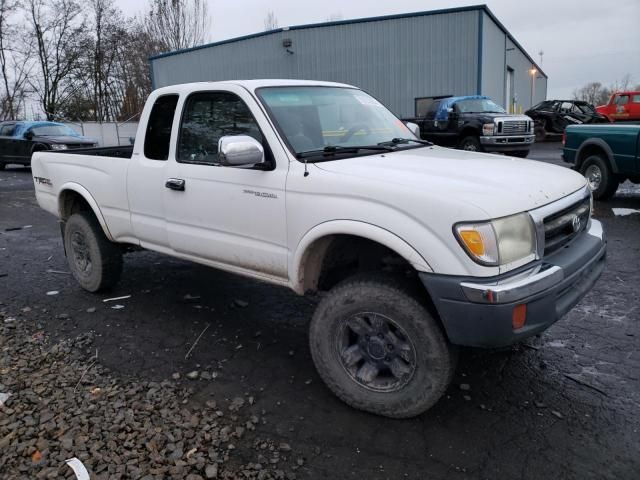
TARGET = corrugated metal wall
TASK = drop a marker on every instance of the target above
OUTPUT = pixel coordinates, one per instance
(396, 60)
(498, 54)
(493, 57)
(521, 66)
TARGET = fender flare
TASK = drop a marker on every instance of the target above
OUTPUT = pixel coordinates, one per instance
(84, 193)
(350, 227)
(598, 142)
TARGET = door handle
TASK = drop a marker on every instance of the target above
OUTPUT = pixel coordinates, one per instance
(175, 184)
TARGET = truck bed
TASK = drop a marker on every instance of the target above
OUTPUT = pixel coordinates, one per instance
(119, 151)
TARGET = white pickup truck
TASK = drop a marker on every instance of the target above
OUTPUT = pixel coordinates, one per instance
(316, 186)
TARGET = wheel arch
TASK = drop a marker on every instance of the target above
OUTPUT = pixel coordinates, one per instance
(309, 259)
(74, 197)
(595, 146)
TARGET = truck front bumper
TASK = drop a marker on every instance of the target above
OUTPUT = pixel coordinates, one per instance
(506, 143)
(479, 312)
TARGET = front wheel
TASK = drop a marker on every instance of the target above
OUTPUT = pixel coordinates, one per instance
(379, 349)
(602, 180)
(471, 144)
(94, 261)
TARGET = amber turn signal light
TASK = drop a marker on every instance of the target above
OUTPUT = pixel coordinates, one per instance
(519, 316)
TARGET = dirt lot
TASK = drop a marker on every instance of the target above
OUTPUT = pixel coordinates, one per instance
(564, 405)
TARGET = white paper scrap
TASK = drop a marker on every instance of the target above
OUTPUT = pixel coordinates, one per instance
(116, 298)
(78, 468)
(3, 398)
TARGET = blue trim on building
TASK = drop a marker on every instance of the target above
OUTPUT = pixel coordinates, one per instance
(471, 8)
(480, 31)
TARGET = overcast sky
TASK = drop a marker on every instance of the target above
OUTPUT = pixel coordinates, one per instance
(582, 40)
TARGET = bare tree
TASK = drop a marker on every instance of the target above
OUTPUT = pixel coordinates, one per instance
(56, 26)
(270, 21)
(14, 61)
(177, 24)
(597, 94)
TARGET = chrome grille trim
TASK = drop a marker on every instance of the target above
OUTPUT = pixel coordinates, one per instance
(564, 205)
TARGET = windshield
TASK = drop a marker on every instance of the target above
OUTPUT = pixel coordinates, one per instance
(585, 107)
(314, 118)
(53, 130)
(478, 105)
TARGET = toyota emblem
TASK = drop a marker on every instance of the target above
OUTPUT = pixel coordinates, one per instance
(576, 223)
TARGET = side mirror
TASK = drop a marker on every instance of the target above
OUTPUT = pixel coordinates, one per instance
(239, 151)
(415, 129)
(28, 135)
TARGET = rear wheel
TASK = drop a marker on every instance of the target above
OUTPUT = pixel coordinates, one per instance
(520, 153)
(471, 143)
(95, 262)
(379, 349)
(540, 133)
(602, 180)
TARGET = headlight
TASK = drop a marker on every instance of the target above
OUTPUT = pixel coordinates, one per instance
(488, 129)
(498, 242)
(58, 146)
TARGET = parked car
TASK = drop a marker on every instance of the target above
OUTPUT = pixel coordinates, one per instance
(477, 124)
(553, 116)
(606, 155)
(18, 140)
(316, 186)
(622, 106)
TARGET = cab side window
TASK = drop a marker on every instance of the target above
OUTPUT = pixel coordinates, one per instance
(158, 134)
(7, 130)
(207, 117)
(622, 100)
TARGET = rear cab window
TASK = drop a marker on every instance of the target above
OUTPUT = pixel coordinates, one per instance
(158, 133)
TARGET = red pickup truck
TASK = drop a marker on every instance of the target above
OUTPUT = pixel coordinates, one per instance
(622, 106)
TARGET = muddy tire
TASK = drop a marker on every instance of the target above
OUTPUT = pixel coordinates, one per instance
(470, 143)
(379, 349)
(95, 262)
(601, 178)
(540, 133)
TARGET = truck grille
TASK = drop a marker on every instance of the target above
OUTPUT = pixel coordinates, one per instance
(563, 226)
(515, 127)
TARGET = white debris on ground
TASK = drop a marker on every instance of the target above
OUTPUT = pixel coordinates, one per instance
(623, 212)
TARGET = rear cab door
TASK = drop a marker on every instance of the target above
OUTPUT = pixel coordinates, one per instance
(148, 171)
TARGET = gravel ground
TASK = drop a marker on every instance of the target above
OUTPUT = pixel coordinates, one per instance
(63, 404)
(563, 405)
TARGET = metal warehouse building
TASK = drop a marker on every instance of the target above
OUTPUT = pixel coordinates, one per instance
(403, 60)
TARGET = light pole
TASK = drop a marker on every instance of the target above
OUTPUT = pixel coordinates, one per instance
(532, 72)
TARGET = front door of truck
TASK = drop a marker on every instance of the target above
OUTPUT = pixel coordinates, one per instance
(147, 175)
(227, 216)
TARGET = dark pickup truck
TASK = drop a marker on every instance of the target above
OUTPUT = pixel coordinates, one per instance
(475, 123)
(18, 140)
(606, 155)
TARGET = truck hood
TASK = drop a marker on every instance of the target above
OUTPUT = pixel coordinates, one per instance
(499, 185)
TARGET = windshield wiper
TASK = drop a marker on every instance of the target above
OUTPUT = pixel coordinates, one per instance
(336, 149)
(398, 141)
